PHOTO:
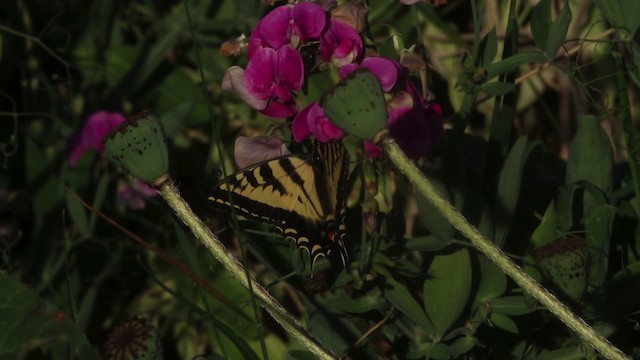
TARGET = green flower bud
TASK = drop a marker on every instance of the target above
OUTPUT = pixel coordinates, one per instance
(357, 105)
(138, 145)
(566, 263)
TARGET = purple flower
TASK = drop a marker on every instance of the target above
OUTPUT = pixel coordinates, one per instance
(341, 44)
(288, 25)
(132, 194)
(268, 81)
(96, 128)
(252, 150)
(312, 121)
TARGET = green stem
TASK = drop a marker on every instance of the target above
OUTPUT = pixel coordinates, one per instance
(172, 196)
(428, 190)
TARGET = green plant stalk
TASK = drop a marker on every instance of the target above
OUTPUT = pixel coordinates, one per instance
(627, 123)
(172, 196)
(429, 191)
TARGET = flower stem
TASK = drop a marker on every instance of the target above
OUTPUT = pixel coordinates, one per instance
(172, 196)
(428, 190)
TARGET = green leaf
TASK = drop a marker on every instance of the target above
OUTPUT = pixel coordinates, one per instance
(546, 230)
(590, 155)
(78, 214)
(488, 47)
(340, 301)
(504, 322)
(447, 290)
(541, 23)
(493, 282)
(462, 346)
(598, 227)
(558, 31)
(27, 322)
(431, 217)
(622, 14)
(513, 63)
(431, 350)
(564, 207)
(509, 187)
(511, 305)
(496, 88)
(426, 243)
(399, 296)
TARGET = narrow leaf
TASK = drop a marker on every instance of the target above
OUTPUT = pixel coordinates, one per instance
(541, 23)
(558, 31)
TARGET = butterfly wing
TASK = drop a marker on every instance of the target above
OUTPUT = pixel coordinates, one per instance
(298, 194)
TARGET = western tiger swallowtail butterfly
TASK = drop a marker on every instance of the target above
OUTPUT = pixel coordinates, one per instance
(302, 195)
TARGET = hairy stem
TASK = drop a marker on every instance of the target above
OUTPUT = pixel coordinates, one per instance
(172, 196)
(428, 190)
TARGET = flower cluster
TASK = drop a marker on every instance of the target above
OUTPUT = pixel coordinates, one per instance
(275, 67)
(276, 71)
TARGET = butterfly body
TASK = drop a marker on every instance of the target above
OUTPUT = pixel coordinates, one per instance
(299, 194)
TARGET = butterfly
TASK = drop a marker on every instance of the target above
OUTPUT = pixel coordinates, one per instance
(302, 195)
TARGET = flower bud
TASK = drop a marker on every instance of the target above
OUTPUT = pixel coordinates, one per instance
(566, 263)
(138, 145)
(357, 105)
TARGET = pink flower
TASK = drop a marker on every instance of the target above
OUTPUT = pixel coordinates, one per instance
(252, 150)
(312, 121)
(288, 25)
(268, 81)
(341, 44)
(96, 128)
(132, 194)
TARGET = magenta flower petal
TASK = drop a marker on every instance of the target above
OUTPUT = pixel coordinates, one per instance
(290, 68)
(260, 74)
(274, 27)
(312, 121)
(309, 19)
(372, 150)
(98, 125)
(386, 70)
(288, 25)
(279, 110)
(234, 81)
(300, 127)
(252, 150)
(340, 44)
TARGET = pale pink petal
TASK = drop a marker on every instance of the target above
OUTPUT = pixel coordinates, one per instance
(253, 150)
(234, 82)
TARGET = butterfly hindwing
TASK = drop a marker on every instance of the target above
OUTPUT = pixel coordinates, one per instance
(301, 195)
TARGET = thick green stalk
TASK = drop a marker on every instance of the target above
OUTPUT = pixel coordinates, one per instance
(428, 190)
(172, 196)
